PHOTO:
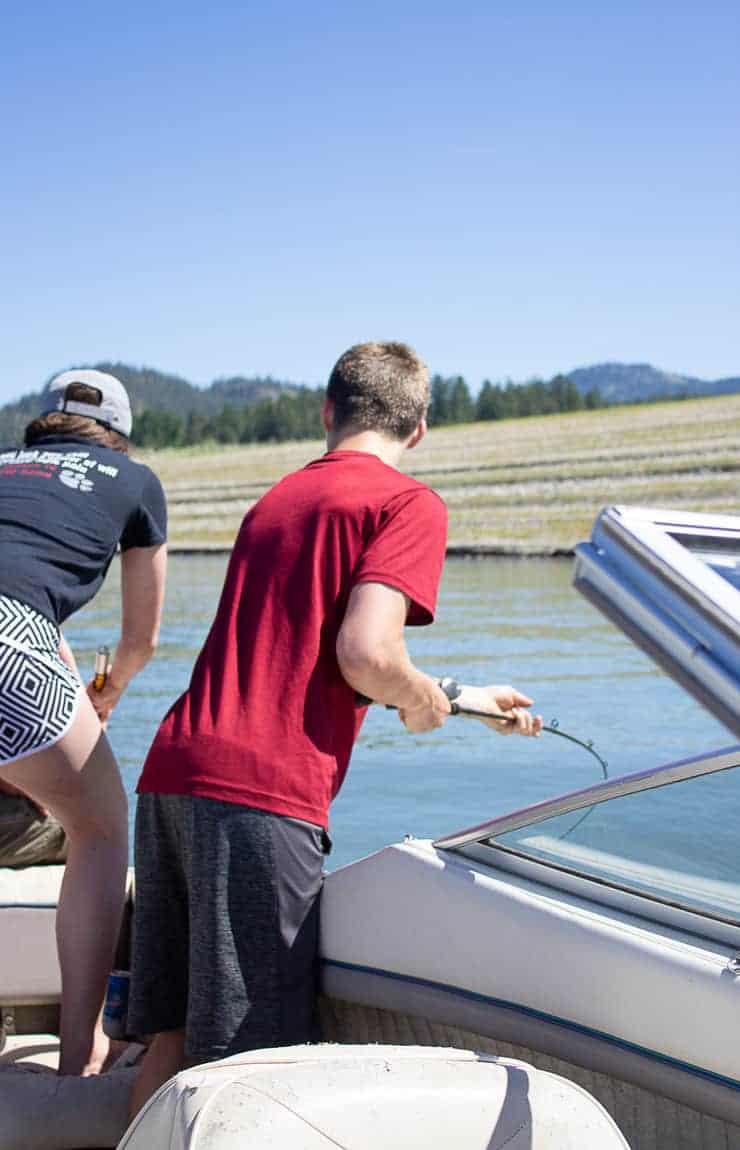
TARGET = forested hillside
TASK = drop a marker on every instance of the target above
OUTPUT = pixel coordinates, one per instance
(170, 411)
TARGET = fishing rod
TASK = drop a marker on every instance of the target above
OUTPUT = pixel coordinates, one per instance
(553, 728)
(452, 690)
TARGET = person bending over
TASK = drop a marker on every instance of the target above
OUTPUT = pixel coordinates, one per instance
(232, 815)
(68, 499)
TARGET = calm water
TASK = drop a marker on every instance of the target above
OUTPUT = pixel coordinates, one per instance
(499, 620)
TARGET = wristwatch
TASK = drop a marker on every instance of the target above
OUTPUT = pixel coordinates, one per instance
(452, 690)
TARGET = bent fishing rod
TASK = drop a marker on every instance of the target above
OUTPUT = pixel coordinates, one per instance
(452, 690)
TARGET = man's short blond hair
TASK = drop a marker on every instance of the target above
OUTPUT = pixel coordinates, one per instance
(379, 387)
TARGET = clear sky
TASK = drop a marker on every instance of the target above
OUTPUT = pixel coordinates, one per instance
(515, 187)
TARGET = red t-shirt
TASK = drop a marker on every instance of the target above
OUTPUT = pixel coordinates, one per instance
(268, 720)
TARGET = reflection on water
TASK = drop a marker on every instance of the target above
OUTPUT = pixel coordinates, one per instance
(499, 620)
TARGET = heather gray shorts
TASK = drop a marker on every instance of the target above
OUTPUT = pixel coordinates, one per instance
(225, 925)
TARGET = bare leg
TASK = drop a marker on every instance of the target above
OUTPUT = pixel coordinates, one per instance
(78, 781)
(164, 1057)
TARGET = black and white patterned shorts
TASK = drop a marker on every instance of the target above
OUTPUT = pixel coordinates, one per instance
(38, 691)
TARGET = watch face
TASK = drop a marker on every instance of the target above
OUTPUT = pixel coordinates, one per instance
(451, 687)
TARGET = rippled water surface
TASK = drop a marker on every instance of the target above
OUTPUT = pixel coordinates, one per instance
(499, 620)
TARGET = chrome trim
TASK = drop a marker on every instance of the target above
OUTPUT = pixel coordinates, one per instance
(663, 776)
(667, 600)
(689, 663)
(647, 555)
(647, 535)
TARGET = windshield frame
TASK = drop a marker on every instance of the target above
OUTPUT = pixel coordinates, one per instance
(710, 763)
(667, 599)
(474, 842)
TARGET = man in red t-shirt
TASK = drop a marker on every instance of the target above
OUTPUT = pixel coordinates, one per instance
(327, 569)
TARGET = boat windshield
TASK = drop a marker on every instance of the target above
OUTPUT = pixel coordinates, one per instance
(723, 556)
(659, 843)
(654, 833)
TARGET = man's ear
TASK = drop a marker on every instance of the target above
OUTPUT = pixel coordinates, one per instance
(417, 434)
(327, 415)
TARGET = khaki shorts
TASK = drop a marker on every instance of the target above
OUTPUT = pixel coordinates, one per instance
(27, 837)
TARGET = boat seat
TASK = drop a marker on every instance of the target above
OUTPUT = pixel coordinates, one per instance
(36, 1049)
(364, 1097)
(30, 979)
(41, 1111)
(29, 970)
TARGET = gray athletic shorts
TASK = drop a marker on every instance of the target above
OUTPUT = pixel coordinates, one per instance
(225, 925)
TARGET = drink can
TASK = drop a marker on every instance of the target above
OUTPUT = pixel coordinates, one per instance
(116, 1004)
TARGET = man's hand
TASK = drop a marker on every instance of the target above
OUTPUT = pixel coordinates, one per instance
(428, 715)
(505, 700)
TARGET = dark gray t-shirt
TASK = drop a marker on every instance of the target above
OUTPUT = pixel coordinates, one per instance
(65, 506)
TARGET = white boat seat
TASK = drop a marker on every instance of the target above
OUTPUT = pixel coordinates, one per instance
(365, 1097)
(29, 970)
(37, 1049)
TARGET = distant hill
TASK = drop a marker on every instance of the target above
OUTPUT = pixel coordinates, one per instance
(163, 392)
(238, 391)
(637, 382)
(159, 390)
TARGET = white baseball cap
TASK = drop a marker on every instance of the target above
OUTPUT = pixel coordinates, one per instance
(112, 408)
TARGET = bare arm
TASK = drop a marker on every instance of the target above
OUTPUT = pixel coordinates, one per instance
(143, 573)
(373, 657)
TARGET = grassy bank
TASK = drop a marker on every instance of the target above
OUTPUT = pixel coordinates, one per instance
(528, 486)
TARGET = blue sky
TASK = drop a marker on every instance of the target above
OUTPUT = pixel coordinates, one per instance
(516, 188)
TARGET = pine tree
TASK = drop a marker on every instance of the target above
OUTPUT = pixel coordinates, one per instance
(226, 425)
(461, 405)
(439, 408)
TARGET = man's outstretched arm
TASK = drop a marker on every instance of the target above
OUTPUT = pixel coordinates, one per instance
(374, 660)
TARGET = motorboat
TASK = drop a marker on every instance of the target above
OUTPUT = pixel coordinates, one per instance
(515, 983)
(546, 934)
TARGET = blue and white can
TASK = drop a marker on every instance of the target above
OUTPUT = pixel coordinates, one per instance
(115, 1011)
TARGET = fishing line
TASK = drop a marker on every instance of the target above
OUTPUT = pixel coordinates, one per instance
(449, 686)
(552, 729)
(452, 689)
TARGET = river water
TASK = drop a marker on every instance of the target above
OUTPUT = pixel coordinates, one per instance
(499, 620)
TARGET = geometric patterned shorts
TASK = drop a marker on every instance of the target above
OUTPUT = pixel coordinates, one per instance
(38, 691)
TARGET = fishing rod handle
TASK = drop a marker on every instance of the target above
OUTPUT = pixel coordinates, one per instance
(452, 690)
